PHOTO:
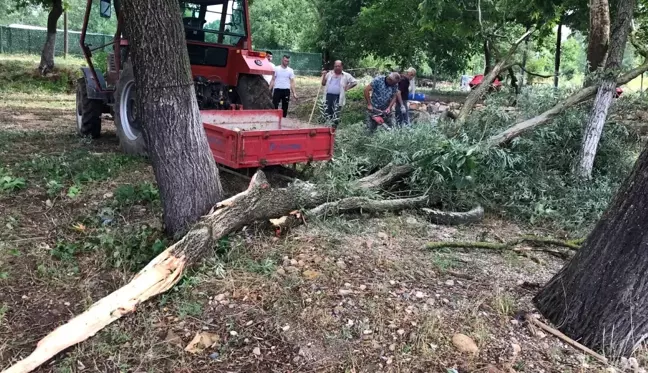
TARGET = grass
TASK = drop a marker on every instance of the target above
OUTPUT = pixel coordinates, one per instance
(19, 73)
(88, 218)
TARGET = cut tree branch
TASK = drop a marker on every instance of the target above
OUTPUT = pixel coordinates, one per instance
(479, 91)
(384, 177)
(511, 245)
(545, 117)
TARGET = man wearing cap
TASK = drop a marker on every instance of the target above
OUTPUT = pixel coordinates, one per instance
(381, 94)
(337, 82)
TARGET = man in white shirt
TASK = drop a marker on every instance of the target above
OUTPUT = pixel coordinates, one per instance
(283, 83)
(337, 82)
(268, 78)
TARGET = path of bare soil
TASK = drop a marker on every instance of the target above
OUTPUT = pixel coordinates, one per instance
(349, 294)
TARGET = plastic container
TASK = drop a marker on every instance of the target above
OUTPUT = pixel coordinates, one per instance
(416, 97)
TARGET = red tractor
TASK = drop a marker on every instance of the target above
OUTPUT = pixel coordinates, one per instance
(242, 126)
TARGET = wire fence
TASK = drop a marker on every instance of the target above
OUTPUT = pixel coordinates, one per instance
(18, 40)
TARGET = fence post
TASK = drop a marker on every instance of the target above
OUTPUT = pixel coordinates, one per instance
(1, 39)
(29, 41)
(65, 34)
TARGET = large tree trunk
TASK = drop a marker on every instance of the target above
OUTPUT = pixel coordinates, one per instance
(47, 54)
(557, 55)
(600, 298)
(599, 34)
(184, 168)
(605, 94)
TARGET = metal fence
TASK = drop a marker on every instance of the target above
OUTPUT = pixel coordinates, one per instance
(302, 62)
(30, 41)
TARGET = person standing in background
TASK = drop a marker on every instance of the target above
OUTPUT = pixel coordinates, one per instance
(405, 86)
(337, 82)
(268, 78)
(283, 83)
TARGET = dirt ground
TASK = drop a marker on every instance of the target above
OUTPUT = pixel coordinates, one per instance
(349, 294)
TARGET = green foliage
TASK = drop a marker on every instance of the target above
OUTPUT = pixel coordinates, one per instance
(530, 180)
(9, 183)
(129, 194)
(73, 169)
(130, 247)
(281, 24)
(18, 75)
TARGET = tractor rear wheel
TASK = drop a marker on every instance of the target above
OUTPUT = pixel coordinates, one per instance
(129, 126)
(88, 112)
(254, 93)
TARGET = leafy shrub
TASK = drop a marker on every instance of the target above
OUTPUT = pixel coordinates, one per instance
(530, 179)
(9, 183)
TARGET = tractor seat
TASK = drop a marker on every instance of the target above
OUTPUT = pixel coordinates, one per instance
(193, 29)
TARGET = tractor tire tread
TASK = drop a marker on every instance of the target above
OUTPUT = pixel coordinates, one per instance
(254, 92)
(91, 111)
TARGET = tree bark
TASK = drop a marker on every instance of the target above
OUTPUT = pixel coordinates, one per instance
(605, 94)
(524, 60)
(557, 55)
(488, 58)
(600, 298)
(477, 92)
(184, 168)
(599, 34)
(47, 54)
(584, 94)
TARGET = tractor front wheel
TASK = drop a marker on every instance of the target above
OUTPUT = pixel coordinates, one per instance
(129, 126)
(254, 92)
(88, 112)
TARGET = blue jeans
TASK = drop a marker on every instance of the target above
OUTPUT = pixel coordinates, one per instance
(402, 118)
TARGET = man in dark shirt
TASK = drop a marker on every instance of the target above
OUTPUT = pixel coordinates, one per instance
(402, 111)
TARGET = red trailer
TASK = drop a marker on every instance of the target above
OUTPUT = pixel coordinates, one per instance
(257, 138)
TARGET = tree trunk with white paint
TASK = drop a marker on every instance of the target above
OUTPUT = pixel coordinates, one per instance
(605, 94)
(47, 54)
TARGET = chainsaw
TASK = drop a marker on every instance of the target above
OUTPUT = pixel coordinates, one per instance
(379, 117)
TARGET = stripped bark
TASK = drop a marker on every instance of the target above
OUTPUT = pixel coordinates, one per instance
(481, 89)
(583, 95)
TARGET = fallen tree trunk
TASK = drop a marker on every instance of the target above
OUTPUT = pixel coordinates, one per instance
(488, 79)
(545, 117)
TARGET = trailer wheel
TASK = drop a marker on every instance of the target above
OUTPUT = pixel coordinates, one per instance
(254, 93)
(88, 112)
(129, 126)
